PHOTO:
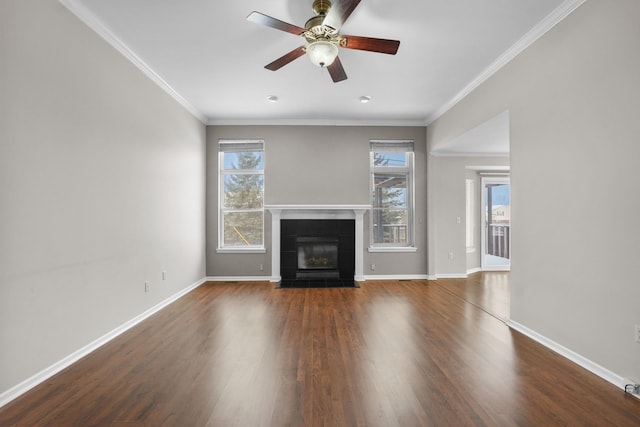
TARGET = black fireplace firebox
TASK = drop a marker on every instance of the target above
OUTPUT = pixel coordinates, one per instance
(317, 250)
(317, 257)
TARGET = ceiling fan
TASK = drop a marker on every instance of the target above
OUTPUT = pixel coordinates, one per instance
(321, 33)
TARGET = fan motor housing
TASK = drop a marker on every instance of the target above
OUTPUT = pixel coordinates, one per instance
(314, 22)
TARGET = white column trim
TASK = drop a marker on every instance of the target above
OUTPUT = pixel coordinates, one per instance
(275, 245)
(359, 271)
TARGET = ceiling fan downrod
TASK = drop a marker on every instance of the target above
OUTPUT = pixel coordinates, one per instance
(321, 7)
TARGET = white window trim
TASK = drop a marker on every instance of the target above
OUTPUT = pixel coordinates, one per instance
(470, 220)
(249, 250)
(257, 249)
(394, 247)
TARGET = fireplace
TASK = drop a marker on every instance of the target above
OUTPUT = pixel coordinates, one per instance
(321, 249)
(317, 258)
(281, 263)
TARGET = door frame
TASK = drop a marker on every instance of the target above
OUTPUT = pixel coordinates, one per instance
(483, 222)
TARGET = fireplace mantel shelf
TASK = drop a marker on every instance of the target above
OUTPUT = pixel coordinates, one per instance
(279, 212)
(317, 208)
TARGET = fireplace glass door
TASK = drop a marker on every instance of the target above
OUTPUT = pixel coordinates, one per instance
(317, 258)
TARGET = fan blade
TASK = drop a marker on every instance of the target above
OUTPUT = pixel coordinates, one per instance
(337, 71)
(372, 45)
(261, 18)
(285, 59)
(339, 13)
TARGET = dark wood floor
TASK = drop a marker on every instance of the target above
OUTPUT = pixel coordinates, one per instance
(490, 292)
(390, 353)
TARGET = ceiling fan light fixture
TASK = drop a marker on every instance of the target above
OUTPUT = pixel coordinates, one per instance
(322, 53)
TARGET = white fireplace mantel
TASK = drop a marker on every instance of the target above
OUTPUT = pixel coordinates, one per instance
(279, 212)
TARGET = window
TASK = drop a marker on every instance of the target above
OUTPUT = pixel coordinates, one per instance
(241, 195)
(470, 219)
(392, 194)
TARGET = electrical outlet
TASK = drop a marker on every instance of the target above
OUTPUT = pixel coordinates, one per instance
(373, 267)
(147, 286)
(261, 267)
(450, 255)
(637, 335)
(632, 388)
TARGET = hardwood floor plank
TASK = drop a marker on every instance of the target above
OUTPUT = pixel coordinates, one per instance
(390, 353)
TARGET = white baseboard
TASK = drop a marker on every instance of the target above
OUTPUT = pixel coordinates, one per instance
(497, 268)
(242, 279)
(398, 277)
(277, 279)
(47, 373)
(473, 270)
(451, 276)
(587, 364)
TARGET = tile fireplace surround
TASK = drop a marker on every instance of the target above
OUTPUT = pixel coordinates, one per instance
(280, 212)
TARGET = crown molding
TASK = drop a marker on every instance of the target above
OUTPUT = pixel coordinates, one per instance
(314, 122)
(466, 154)
(82, 13)
(554, 18)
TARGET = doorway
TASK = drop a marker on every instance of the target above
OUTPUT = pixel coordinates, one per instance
(496, 224)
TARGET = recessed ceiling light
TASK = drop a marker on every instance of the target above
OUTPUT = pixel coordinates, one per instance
(272, 98)
(364, 99)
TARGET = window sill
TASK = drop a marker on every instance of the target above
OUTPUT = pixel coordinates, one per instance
(241, 250)
(392, 249)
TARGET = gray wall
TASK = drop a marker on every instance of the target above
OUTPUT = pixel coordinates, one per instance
(315, 165)
(574, 99)
(101, 189)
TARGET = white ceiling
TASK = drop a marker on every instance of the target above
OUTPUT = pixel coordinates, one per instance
(207, 55)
